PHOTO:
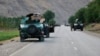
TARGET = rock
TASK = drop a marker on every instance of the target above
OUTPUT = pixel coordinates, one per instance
(1, 43)
(12, 40)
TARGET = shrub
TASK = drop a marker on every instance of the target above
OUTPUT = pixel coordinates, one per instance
(71, 19)
(49, 16)
(51, 22)
(9, 22)
(91, 14)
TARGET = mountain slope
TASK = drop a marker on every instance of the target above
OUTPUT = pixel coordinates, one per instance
(62, 8)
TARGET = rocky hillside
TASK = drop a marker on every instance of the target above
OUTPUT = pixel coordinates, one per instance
(62, 8)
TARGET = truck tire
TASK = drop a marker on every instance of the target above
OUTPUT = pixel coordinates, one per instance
(81, 29)
(74, 29)
(41, 39)
(22, 37)
(32, 29)
(48, 35)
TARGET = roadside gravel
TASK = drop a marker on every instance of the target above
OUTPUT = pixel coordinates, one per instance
(8, 48)
(92, 33)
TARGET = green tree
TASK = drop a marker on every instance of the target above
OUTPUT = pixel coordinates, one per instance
(80, 14)
(91, 14)
(48, 15)
(71, 20)
(51, 22)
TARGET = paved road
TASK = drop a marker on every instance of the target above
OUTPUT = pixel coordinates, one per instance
(63, 43)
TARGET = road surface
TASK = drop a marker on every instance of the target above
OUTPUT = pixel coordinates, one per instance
(63, 43)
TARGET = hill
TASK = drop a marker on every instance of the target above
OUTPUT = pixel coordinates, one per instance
(62, 8)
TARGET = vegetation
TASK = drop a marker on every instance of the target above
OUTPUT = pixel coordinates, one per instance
(71, 19)
(49, 16)
(89, 14)
(13, 22)
(8, 22)
(8, 34)
(8, 27)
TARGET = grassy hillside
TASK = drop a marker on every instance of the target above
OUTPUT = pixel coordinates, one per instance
(62, 8)
(89, 14)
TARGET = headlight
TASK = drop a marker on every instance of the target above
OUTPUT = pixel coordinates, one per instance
(23, 26)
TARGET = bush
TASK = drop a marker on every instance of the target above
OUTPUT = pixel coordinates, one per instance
(51, 22)
(80, 15)
(91, 14)
(8, 22)
(49, 16)
(71, 19)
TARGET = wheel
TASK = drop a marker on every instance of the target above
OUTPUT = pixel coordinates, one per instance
(74, 29)
(41, 39)
(22, 37)
(32, 29)
(81, 29)
(48, 35)
(51, 29)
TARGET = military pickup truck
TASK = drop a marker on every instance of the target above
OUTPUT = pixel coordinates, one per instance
(31, 29)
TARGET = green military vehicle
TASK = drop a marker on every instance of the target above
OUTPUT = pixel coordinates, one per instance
(31, 29)
(48, 29)
(77, 25)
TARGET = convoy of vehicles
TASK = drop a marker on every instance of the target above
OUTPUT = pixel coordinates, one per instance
(33, 26)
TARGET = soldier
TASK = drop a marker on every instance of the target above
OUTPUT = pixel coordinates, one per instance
(42, 19)
(39, 17)
(30, 18)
